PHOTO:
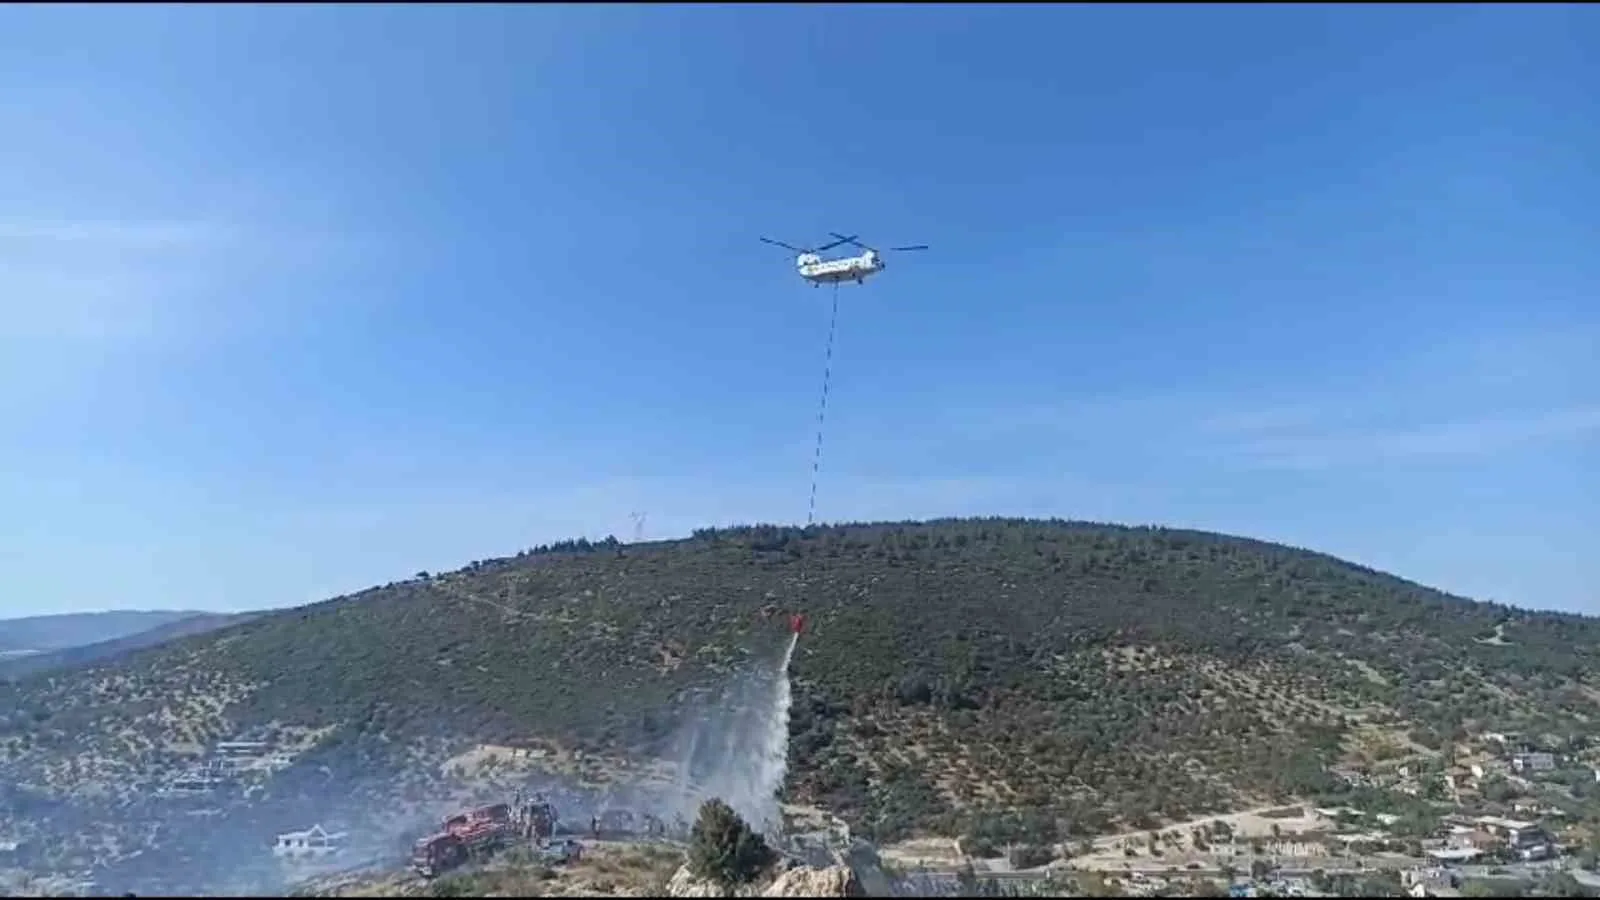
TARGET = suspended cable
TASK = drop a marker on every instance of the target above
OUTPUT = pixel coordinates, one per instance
(822, 407)
(822, 420)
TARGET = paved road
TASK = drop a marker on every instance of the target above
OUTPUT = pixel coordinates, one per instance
(1514, 870)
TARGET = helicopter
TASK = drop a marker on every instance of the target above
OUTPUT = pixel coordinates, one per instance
(818, 271)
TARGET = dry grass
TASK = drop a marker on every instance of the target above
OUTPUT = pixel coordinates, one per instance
(606, 870)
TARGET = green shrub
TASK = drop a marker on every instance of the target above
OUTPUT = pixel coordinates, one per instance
(723, 848)
(455, 886)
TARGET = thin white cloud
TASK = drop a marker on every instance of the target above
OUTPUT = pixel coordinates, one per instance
(96, 281)
(52, 308)
(1266, 420)
(1481, 437)
(28, 235)
(1461, 395)
(98, 311)
(90, 285)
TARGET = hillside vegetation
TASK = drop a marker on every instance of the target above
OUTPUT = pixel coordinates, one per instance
(1009, 680)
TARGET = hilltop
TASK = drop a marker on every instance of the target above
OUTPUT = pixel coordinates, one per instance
(998, 679)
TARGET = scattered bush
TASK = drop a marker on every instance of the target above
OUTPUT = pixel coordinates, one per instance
(724, 849)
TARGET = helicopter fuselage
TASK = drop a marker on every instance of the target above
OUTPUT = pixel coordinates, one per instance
(853, 268)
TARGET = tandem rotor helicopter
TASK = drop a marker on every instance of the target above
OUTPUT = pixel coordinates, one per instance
(819, 271)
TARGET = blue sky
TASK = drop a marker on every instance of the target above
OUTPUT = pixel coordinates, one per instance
(302, 299)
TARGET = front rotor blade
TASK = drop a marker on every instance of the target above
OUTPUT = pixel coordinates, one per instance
(912, 247)
(783, 245)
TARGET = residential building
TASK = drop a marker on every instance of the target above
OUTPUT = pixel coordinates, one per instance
(1531, 843)
(1533, 762)
(1502, 828)
(1455, 855)
(1431, 878)
(312, 842)
(203, 778)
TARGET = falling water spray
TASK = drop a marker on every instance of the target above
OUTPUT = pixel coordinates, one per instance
(775, 747)
(737, 749)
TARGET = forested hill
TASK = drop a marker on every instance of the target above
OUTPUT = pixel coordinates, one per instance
(951, 669)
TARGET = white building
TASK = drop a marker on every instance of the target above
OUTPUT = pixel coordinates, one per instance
(1503, 827)
(1455, 855)
(314, 842)
(1533, 762)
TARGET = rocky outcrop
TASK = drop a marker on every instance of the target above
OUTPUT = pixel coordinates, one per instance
(804, 881)
(800, 881)
(685, 884)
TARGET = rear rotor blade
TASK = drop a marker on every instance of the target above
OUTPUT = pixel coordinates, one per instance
(912, 247)
(847, 240)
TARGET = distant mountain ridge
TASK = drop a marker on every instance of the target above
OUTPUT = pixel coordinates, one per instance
(22, 664)
(58, 632)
